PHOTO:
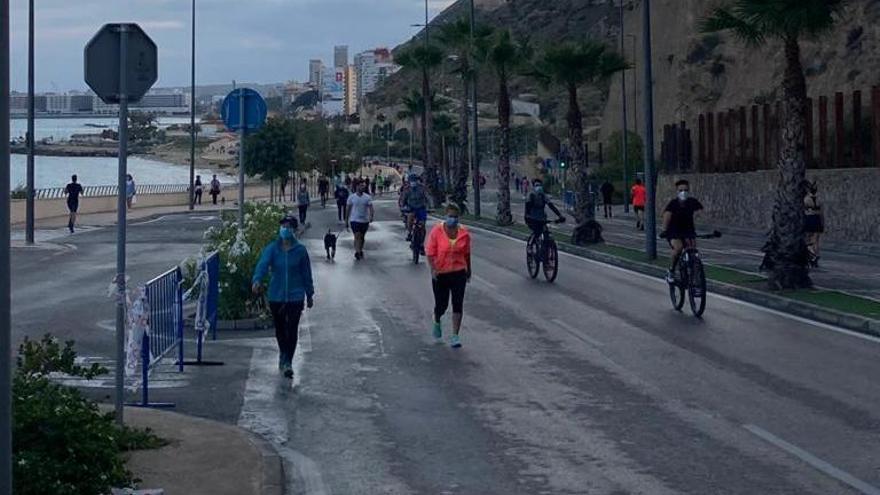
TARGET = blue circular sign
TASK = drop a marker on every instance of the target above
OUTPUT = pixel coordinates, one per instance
(255, 110)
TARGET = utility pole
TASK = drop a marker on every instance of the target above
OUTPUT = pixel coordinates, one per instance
(192, 115)
(429, 125)
(625, 137)
(650, 206)
(5, 300)
(29, 202)
(473, 149)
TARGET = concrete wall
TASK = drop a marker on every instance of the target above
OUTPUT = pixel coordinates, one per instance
(851, 199)
(56, 208)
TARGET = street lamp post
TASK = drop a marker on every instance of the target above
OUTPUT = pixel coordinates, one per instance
(473, 149)
(5, 301)
(625, 137)
(192, 114)
(635, 67)
(650, 206)
(29, 205)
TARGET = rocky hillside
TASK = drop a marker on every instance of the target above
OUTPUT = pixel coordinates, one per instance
(693, 72)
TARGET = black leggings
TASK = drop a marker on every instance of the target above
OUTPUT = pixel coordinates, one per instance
(302, 214)
(447, 284)
(340, 209)
(286, 316)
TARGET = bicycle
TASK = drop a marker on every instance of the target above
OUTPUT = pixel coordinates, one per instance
(417, 244)
(691, 278)
(542, 250)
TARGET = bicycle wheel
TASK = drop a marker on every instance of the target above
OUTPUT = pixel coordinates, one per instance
(417, 242)
(697, 287)
(551, 261)
(531, 257)
(676, 289)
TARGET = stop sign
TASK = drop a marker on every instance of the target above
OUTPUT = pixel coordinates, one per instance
(103, 65)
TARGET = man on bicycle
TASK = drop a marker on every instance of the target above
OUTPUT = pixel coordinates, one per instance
(678, 224)
(535, 215)
(416, 201)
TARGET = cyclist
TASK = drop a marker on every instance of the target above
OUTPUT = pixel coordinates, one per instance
(535, 215)
(678, 224)
(416, 200)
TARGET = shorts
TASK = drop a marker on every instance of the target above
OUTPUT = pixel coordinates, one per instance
(814, 224)
(359, 227)
(449, 286)
(421, 214)
(683, 237)
(639, 208)
(72, 206)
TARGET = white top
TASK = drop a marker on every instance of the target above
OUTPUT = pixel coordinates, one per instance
(360, 208)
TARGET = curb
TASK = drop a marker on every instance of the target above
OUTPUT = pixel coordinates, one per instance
(272, 480)
(860, 324)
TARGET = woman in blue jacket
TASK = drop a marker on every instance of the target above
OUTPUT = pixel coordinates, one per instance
(291, 289)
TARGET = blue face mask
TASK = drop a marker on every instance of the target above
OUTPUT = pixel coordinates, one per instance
(451, 222)
(539, 189)
(285, 233)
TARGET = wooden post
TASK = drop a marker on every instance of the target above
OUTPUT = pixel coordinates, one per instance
(858, 156)
(700, 165)
(767, 127)
(777, 134)
(731, 140)
(688, 151)
(710, 137)
(682, 146)
(743, 149)
(722, 155)
(755, 139)
(824, 161)
(839, 131)
(809, 133)
(875, 128)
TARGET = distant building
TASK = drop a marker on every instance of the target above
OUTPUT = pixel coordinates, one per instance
(160, 103)
(340, 56)
(18, 103)
(316, 73)
(351, 91)
(333, 91)
(373, 67)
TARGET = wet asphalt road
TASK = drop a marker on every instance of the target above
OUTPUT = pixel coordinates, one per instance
(590, 385)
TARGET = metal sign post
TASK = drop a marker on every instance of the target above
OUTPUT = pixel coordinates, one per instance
(243, 110)
(120, 66)
(242, 131)
(5, 288)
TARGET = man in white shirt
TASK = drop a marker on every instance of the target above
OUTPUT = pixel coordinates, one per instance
(359, 214)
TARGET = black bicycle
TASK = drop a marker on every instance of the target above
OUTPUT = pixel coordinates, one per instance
(542, 250)
(689, 278)
(417, 244)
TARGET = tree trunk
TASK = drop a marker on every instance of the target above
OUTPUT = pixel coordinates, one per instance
(587, 231)
(503, 215)
(428, 122)
(786, 248)
(462, 166)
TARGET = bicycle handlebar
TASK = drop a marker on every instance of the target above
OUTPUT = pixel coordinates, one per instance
(713, 235)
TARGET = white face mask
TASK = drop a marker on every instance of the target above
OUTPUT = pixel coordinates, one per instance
(683, 195)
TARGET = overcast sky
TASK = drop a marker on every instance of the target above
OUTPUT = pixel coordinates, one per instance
(248, 40)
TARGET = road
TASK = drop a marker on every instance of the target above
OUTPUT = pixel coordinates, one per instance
(592, 385)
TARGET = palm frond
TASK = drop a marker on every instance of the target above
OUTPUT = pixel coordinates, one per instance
(724, 20)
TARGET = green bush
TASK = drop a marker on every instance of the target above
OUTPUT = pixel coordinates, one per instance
(239, 256)
(62, 443)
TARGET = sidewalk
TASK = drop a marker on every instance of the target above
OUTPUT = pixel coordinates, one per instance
(203, 457)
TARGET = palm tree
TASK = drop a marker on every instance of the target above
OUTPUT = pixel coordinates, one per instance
(425, 59)
(572, 65)
(447, 130)
(466, 51)
(506, 57)
(788, 21)
(413, 108)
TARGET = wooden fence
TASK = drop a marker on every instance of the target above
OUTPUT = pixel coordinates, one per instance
(746, 139)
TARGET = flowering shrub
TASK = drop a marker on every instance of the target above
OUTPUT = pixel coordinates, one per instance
(239, 253)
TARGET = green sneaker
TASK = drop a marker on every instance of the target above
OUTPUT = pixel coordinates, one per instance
(455, 341)
(438, 331)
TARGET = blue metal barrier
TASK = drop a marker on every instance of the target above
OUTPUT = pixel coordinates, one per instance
(165, 297)
(207, 286)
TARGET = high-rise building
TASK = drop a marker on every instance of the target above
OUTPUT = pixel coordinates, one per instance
(316, 72)
(340, 56)
(373, 67)
(351, 91)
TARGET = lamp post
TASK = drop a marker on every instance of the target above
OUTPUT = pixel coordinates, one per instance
(473, 148)
(192, 114)
(29, 204)
(650, 206)
(625, 137)
(5, 302)
(635, 67)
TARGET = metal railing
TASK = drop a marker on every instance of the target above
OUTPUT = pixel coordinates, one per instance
(104, 191)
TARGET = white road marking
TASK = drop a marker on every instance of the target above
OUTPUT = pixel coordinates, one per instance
(659, 281)
(262, 414)
(575, 333)
(813, 461)
(149, 221)
(485, 282)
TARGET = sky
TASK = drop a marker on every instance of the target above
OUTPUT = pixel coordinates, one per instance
(258, 41)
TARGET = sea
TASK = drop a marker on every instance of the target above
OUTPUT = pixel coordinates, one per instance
(55, 171)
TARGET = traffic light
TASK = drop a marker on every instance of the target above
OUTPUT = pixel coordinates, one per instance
(562, 164)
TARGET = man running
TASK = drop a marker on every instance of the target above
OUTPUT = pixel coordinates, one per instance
(72, 190)
(678, 224)
(359, 215)
(639, 198)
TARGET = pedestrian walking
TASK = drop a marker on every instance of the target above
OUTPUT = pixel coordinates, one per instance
(291, 288)
(639, 198)
(525, 187)
(607, 190)
(302, 202)
(215, 189)
(380, 184)
(358, 216)
(373, 185)
(73, 191)
(814, 222)
(448, 250)
(130, 191)
(341, 194)
(324, 190)
(197, 191)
